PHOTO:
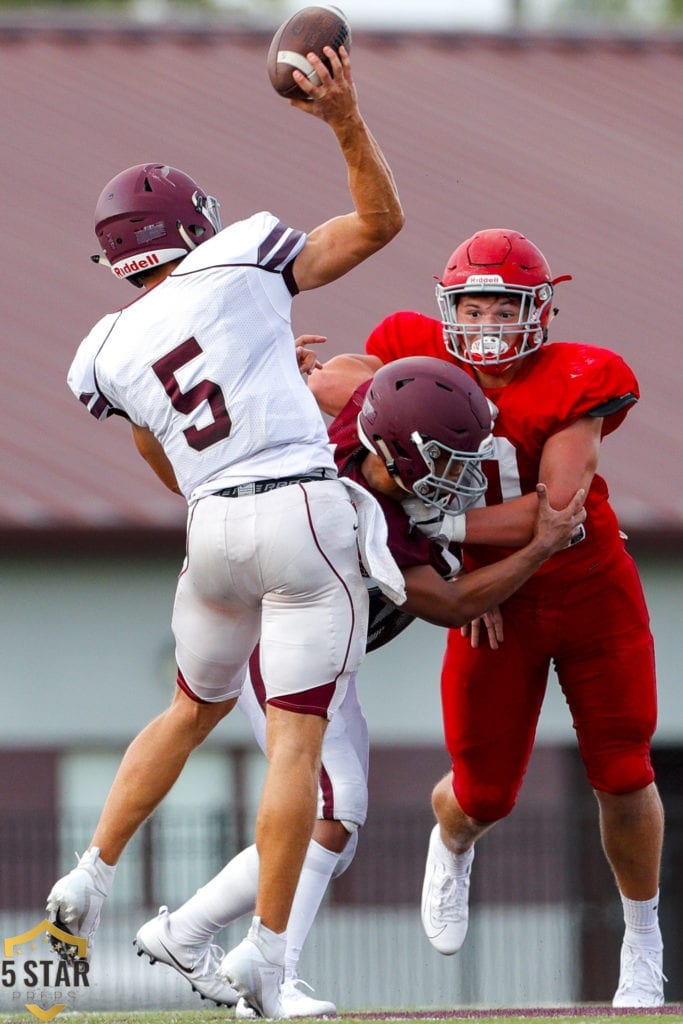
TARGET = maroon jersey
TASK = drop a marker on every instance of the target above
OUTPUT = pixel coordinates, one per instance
(553, 388)
(408, 546)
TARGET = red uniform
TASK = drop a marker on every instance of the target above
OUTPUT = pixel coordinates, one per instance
(584, 609)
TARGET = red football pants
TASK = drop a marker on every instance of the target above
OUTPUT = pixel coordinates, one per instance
(596, 631)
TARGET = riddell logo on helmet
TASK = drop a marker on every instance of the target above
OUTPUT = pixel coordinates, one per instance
(135, 266)
(481, 280)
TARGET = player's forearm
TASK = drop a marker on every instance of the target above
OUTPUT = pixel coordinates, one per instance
(510, 524)
(371, 182)
(454, 603)
(490, 585)
(340, 244)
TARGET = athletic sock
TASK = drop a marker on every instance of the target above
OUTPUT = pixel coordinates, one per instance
(459, 863)
(230, 894)
(642, 924)
(316, 873)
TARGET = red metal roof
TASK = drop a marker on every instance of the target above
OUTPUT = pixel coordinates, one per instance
(577, 143)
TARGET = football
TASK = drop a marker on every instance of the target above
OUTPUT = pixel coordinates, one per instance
(307, 31)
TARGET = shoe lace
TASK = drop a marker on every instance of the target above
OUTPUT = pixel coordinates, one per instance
(289, 986)
(209, 961)
(642, 970)
(450, 903)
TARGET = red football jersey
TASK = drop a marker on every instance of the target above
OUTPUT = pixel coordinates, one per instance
(554, 387)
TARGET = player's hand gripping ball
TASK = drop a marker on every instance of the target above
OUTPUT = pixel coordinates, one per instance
(309, 30)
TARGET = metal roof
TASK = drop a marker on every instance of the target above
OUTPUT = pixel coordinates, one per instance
(576, 142)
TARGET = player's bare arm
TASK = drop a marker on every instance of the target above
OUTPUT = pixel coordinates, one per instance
(335, 247)
(470, 595)
(336, 381)
(569, 462)
(155, 456)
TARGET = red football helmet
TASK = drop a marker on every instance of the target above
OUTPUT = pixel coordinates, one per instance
(431, 424)
(498, 262)
(151, 214)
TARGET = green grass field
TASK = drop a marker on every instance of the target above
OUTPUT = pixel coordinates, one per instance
(575, 1015)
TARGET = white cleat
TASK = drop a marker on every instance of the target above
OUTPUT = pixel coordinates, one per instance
(257, 979)
(641, 978)
(295, 1003)
(243, 1011)
(196, 964)
(445, 898)
(75, 904)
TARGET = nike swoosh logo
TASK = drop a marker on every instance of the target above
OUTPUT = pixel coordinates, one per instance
(181, 967)
(432, 930)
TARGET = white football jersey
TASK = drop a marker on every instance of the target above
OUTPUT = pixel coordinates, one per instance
(206, 361)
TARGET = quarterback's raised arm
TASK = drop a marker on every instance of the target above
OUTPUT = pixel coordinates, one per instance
(338, 245)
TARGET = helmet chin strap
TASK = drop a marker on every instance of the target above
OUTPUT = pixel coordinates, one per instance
(388, 459)
(390, 463)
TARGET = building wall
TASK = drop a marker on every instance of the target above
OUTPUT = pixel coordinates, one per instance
(88, 657)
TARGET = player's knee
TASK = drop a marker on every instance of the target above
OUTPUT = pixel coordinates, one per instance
(347, 855)
(485, 804)
(621, 772)
(351, 804)
(198, 717)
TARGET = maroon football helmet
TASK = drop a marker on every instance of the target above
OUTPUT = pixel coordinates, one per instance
(151, 214)
(431, 424)
(498, 262)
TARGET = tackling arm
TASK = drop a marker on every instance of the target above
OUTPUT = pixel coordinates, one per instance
(569, 461)
(455, 603)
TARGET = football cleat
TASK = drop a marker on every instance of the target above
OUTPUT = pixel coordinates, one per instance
(641, 978)
(295, 1003)
(257, 979)
(75, 903)
(445, 897)
(196, 964)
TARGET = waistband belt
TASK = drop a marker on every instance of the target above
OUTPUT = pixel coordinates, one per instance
(261, 486)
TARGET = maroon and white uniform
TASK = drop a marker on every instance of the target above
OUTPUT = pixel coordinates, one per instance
(583, 610)
(343, 790)
(206, 361)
